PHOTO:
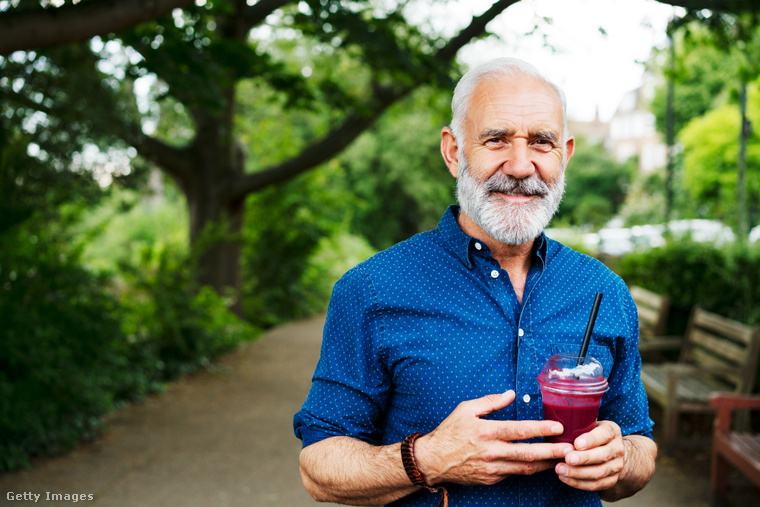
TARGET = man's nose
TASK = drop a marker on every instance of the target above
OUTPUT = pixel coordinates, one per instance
(519, 161)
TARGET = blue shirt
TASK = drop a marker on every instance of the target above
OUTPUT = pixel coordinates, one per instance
(434, 321)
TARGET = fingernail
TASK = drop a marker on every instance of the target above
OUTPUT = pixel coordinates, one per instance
(557, 428)
(562, 469)
(581, 443)
(572, 459)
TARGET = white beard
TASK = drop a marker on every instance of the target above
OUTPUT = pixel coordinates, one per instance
(508, 223)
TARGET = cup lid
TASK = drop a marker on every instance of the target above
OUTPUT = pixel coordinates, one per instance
(561, 372)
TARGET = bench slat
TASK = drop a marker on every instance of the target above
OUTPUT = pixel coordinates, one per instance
(690, 388)
(701, 357)
(736, 354)
(723, 326)
(647, 297)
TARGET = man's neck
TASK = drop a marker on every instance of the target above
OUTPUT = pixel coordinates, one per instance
(514, 259)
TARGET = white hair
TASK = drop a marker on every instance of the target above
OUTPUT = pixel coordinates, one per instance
(496, 68)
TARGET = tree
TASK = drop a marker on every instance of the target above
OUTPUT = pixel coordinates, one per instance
(201, 54)
(596, 186)
(714, 64)
(710, 156)
(31, 28)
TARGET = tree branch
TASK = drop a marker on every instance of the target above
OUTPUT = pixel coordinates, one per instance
(476, 27)
(34, 29)
(176, 162)
(339, 138)
(319, 152)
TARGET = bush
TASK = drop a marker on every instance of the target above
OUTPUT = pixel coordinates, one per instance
(72, 348)
(62, 351)
(720, 279)
(174, 326)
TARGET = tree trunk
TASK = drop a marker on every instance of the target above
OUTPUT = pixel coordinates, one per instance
(670, 136)
(741, 188)
(216, 211)
(219, 254)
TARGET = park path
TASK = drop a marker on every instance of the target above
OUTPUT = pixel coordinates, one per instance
(224, 438)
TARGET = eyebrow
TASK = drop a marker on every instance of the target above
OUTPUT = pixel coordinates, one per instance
(540, 134)
(547, 135)
(489, 133)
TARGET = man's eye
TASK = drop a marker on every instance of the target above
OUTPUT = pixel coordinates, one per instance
(493, 140)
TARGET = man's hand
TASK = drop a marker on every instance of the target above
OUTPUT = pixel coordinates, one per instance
(603, 460)
(466, 449)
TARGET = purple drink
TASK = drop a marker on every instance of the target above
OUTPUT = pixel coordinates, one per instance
(571, 394)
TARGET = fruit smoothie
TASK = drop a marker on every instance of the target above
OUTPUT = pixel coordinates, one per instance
(571, 394)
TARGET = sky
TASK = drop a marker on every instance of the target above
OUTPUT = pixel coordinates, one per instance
(594, 69)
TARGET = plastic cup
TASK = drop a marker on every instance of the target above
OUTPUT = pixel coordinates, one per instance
(571, 394)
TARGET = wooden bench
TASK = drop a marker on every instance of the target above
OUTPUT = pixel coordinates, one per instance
(717, 355)
(729, 447)
(653, 311)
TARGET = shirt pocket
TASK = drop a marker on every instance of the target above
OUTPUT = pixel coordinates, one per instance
(598, 352)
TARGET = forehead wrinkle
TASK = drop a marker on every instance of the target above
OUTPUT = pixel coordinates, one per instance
(499, 109)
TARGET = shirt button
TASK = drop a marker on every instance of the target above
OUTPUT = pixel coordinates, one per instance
(494, 274)
(478, 246)
(526, 398)
(520, 332)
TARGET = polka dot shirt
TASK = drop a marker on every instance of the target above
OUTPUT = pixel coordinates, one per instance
(434, 321)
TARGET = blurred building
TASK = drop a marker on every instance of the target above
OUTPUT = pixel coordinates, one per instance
(631, 130)
(595, 131)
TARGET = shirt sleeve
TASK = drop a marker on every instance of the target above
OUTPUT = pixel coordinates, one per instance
(626, 402)
(350, 385)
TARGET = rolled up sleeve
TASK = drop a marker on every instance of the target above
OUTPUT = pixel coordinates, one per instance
(350, 385)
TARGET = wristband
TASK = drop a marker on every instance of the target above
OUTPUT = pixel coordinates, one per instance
(414, 474)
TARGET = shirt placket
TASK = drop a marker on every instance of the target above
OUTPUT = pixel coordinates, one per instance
(527, 355)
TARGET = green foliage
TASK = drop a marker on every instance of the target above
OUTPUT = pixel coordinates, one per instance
(76, 343)
(596, 186)
(395, 171)
(122, 229)
(703, 73)
(645, 200)
(61, 346)
(710, 159)
(286, 227)
(720, 279)
(175, 327)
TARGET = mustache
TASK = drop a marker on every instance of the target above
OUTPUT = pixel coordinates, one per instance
(507, 184)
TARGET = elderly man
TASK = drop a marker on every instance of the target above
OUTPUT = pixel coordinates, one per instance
(426, 387)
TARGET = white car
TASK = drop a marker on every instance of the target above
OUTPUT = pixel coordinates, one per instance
(615, 241)
(702, 231)
(754, 234)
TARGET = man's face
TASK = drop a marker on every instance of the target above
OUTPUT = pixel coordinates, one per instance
(509, 166)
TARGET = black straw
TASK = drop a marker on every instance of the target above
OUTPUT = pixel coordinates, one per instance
(589, 328)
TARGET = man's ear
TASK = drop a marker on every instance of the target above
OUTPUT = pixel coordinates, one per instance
(450, 151)
(569, 150)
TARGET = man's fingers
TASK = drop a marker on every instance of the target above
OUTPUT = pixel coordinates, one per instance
(593, 456)
(490, 403)
(530, 452)
(523, 430)
(523, 468)
(605, 432)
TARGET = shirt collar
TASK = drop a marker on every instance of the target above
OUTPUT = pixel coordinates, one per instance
(462, 244)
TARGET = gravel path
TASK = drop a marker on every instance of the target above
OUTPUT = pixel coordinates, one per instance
(224, 438)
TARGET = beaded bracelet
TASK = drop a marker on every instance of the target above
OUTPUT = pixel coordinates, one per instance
(414, 474)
